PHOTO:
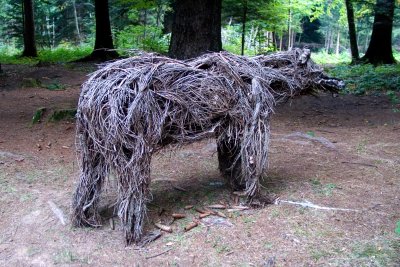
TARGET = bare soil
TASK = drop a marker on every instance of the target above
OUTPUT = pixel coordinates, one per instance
(341, 152)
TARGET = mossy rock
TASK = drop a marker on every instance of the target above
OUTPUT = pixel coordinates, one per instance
(63, 114)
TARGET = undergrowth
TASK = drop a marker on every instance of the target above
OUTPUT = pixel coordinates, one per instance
(365, 78)
(60, 54)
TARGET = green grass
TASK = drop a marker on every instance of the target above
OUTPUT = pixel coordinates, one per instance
(323, 58)
(397, 229)
(60, 54)
(322, 189)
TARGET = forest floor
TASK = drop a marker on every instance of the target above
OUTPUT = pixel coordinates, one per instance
(341, 152)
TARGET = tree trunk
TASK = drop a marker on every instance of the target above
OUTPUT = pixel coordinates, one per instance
(338, 43)
(103, 46)
(380, 47)
(196, 28)
(352, 32)
(29, 30)
(244, 18)
(289, 45)
(78, 32)
(328, 40)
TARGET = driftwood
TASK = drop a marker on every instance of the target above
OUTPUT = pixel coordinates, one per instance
(132, 108)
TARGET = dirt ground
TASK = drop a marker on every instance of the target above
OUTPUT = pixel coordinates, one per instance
(341, 152)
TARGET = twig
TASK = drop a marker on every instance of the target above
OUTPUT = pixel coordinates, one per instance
(158, 254)
(322, 140)
(177, 187)
(360, 163)
(57, 211)
(308, 204)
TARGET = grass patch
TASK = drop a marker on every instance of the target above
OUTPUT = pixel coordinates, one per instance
(324, 58)
(397, 229)
(68, 257)
(221, 247)
(63, 114)
(55, 86)
(322, 189)
(61, 54)
(319, 254)
(378, 254)
(38, 115)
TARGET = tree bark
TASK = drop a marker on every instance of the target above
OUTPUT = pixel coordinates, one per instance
(103, 46)
(244, 18)
(196, 28)
(29, 30)
(380, 47)
(352, 31)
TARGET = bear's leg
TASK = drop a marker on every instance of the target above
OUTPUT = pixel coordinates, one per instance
(93, 170)
(133, 194)
(229, 161)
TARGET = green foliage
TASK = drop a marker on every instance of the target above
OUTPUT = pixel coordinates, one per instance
(64, 53)
(397, 229)
(147, 38)
(38, 115)
(364, 79)
(63, 114)
(55, 86)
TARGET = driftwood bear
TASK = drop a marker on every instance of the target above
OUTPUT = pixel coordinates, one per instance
(132, 108)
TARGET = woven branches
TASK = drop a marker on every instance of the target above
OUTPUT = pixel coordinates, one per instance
(130, 109)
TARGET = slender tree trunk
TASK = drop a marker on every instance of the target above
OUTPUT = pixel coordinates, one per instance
(53, 34)
(244, 18)
(380, 47)
(352, 31)
(293, 39)
(196, 28)
(145, 23)
(338, 43)
(159, 11)
(274, 41)
(289, 46)
(48, 32)
(299, 40)
(29, 30)
(78, 32)
(280, 42)
(250, 42)
(328, 40)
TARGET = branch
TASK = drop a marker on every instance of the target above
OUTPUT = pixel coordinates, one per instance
(308, 204)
